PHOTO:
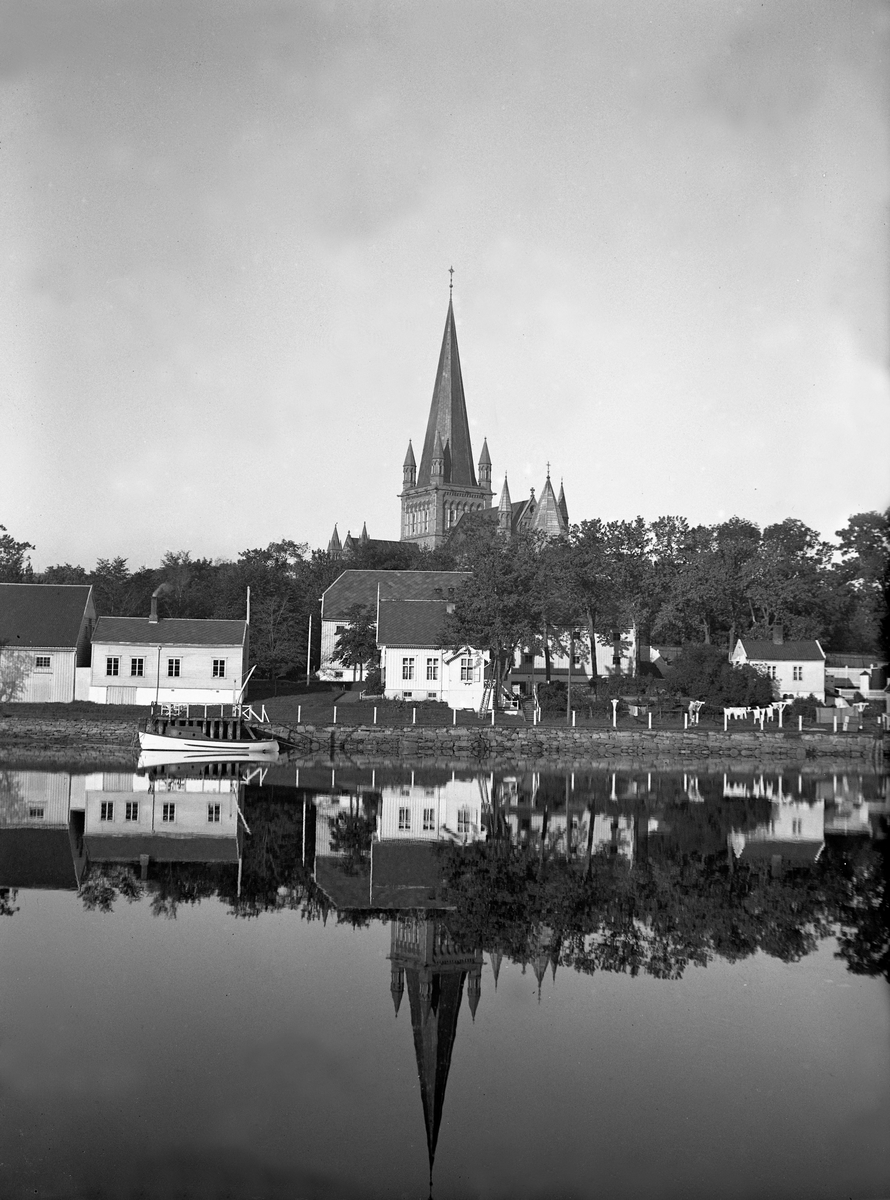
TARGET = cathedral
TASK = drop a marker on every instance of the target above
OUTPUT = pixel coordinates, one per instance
(448, 489)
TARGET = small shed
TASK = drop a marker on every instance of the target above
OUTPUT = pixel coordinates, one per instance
(45, 634)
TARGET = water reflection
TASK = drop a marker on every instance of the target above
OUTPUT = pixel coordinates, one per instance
(626, 873)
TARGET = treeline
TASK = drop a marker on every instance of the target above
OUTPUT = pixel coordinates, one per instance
(677, 584)
(670, 581)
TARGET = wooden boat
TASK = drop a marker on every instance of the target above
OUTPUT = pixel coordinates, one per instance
(199, 744)
(153, 760)
(183, 727)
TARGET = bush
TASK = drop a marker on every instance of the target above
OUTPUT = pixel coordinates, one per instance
(374, 682)
(802, 706)
(705, 673)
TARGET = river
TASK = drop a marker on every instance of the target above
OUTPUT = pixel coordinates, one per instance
(325, 981)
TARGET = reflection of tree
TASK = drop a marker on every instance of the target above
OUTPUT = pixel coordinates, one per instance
(101, 887)
(12, 798)
(8, 898)
(658, 916)
(351, 835)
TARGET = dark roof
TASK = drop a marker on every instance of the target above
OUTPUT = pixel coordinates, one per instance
(406, 875)
(789, 851)
(160, 847)
(411, 622)
(42, 614)
(360, 587)
(36, 858)
(448, 416)
(809, 651)
(170, 632)
(854, 661)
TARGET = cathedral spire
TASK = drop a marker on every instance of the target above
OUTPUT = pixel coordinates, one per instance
(484, 464)
(334, 546)
(561, 501)
(448, 417)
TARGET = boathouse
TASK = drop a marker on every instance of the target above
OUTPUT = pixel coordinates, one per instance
(45, 632)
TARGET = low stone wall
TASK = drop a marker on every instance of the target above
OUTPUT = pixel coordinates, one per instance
(582, 746)
(81, 736)
(65, 733)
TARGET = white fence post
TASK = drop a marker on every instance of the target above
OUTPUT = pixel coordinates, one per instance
(335, 714)
(375, 716)
(299, 712)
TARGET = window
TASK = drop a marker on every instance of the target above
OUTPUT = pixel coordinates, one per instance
(407, 695)
(106, 810)
(43, 662)
(36, 812)
(407, 668)
(173, 667)
(464, 818)
(137, 667)
(113, 666)
(219, 668)
(429, 819)
(798, 674)
(528, 659)
(432, 695)
(404, 818)
(131, 810)
(338, 629)
(796, 827)
(466, 670)
(432, 668)
(168, 812)
(213, 811)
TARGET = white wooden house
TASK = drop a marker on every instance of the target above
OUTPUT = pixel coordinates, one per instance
(415, 664)
(797, 668)
(362, 589)
(45, 632)
(137, 660)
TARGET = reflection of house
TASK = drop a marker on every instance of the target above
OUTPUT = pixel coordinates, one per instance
(798, 668)
(137, 660)
(45, 632)
(451, 810)
(427, 964)
(361, 589)
(415, 667)
(40, 829)
(131, 818)
(794, 836)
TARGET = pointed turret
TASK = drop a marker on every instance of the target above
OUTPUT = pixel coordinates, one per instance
(474, 988)
(505, 511)
(485, 463)
(334, 547)
(495, 958)
(397, 986)
(409, 468)
(437, 462)
(548, 518)
(561, 501)
(363, 538)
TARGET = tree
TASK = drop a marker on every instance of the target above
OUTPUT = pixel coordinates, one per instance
(497, 608)
(703, 672)
(15, 670)
(15, 565)
(357, 644)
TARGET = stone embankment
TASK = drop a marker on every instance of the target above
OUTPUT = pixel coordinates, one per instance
(82, 737)
(75, 738)
(527, 744)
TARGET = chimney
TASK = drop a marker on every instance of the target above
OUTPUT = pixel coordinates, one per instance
(153, 615)
(778, 635)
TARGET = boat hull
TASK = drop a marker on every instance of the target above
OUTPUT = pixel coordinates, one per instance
(210, 748)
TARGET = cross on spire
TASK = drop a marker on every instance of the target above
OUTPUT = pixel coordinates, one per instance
(450, 281)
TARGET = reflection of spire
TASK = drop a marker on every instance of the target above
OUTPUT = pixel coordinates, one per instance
(434, 972)
(397, 986)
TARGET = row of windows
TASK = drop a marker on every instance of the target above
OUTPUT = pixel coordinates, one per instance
(174, 667)
(168, 812)
(771, 672)
(464, 820)
(432, 668)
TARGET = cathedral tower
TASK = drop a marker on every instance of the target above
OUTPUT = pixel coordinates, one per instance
(436, 494)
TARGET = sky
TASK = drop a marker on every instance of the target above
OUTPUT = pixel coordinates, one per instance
(226, 230)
